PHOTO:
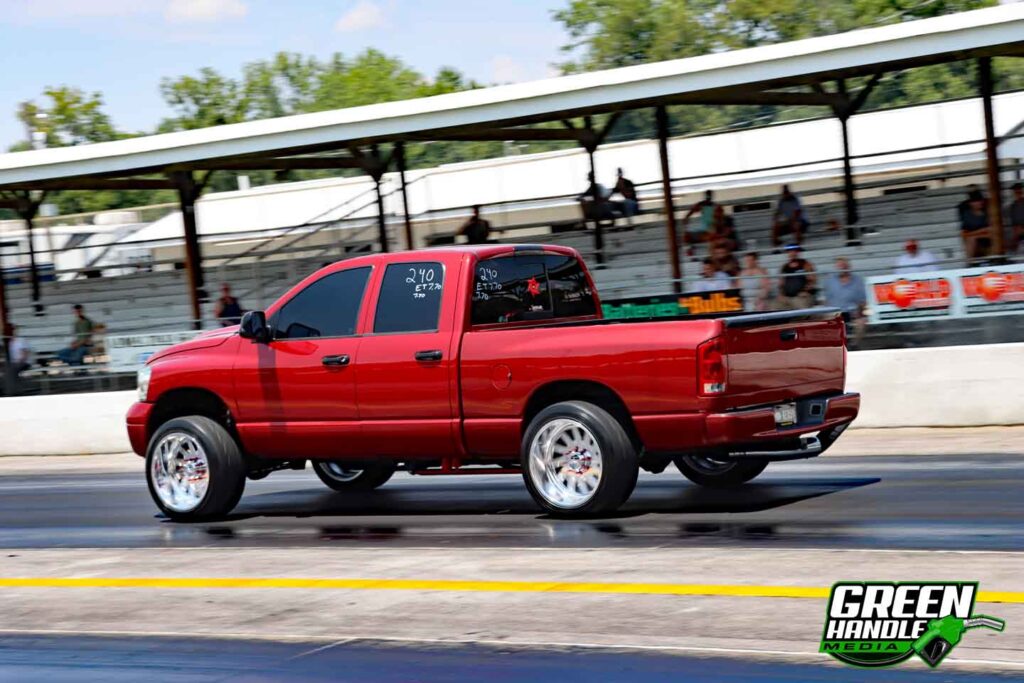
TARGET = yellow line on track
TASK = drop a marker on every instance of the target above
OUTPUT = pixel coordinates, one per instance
(690, 589)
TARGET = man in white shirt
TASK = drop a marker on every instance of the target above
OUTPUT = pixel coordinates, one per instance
(20, 353)
(711, 280)
(915, 260)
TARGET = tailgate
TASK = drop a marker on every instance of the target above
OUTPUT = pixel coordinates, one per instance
(774, 357)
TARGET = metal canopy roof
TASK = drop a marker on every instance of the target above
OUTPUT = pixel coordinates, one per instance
(729, 77)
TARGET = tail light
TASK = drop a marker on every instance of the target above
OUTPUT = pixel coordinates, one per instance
(711, 368)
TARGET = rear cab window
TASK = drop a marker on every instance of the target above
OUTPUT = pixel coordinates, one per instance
(526, 287)
(410, 298)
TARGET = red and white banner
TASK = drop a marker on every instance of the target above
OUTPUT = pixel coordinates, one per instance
(966, 292)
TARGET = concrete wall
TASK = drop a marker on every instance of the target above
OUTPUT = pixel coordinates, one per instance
(951, 386)
(955, 386)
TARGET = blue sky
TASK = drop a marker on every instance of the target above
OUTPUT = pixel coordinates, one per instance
(123, 48)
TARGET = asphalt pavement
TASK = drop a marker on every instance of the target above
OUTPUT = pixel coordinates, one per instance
(925, 502)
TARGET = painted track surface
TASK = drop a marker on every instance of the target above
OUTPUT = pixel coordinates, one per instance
(895, 517)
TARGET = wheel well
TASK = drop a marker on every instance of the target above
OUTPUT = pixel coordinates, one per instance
(580, 390)
(182, 402)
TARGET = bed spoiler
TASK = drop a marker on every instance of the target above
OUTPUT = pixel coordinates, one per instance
(781, 317)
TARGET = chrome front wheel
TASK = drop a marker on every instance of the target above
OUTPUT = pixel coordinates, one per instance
(180, 472)
(194, 469)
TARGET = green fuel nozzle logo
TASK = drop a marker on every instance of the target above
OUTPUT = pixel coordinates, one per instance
(943, 634)
(875, 624)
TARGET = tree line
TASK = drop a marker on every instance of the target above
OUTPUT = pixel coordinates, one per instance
(600, 34)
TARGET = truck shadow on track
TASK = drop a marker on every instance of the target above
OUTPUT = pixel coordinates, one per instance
(501, 499)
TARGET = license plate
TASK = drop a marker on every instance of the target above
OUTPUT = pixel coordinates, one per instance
(785, 415)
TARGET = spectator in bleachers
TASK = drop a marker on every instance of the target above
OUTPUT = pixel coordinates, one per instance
(915, 260)
(705, 208)
(755, 284)
(711, 279)
(723, 232)
(624, 187)
(798, 282)
(18, 350)
(82, 329)
(845, 290)
(476, 229)
(726, 263)
(1015, 217)
(788, 218)
(974, 228)
(228, 311)
(595, 201)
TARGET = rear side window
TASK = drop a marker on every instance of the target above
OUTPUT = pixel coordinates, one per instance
(327, 308)
(535, 287)
(410, 298)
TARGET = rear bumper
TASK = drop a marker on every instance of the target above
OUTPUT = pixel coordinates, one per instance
(754, 429)
(751, 432)
(137, 422)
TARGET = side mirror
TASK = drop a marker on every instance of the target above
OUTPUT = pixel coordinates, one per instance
(254, 326)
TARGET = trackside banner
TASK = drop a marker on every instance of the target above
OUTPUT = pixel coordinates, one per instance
(129, 352)
(961, 293)
(671, 305)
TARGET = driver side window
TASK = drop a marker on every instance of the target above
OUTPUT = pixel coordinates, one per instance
(327, 308)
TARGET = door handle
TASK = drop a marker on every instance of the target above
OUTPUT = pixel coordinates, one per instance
(788, 335)
(426, 356)
(335, 360)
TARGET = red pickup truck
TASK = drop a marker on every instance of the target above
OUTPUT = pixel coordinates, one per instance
(489, 359)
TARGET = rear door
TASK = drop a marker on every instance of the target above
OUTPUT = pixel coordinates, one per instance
(406, 371)
(296, 395)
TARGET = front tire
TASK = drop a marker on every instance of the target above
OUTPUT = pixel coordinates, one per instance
(719, 473)
(194, 469)
(340, 478)
(578, 460)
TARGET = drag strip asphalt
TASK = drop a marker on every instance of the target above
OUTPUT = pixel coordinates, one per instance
(884, 502)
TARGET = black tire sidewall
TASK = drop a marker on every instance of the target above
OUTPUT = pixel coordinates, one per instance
(741, 472)
(226, 467)
(619, 458)
(370, 478)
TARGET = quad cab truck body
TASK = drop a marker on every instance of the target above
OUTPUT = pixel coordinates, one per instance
(489, 359)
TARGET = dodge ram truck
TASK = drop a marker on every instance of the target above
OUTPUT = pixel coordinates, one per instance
(481, 360)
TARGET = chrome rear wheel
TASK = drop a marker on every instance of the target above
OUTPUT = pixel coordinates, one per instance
(565, 463)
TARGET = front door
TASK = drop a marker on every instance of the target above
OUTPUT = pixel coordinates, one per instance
(297, 393)
(406, 371)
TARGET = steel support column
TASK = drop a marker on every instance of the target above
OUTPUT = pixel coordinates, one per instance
(188, 193)
(400, 162)
(382, 228)
(849, 188)
(995, 198)
(597, 207)
(27, 210)
(661, 117)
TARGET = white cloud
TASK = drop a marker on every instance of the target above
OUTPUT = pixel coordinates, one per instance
(204, 10)
(365, 15)
(504, 69)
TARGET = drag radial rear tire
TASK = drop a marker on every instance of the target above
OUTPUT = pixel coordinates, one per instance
(718, 473)
(578, 460)
(194, 469)
(341, 478)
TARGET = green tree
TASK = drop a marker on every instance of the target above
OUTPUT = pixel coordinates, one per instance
(208, 99)
(611, 33)
(68, 116)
